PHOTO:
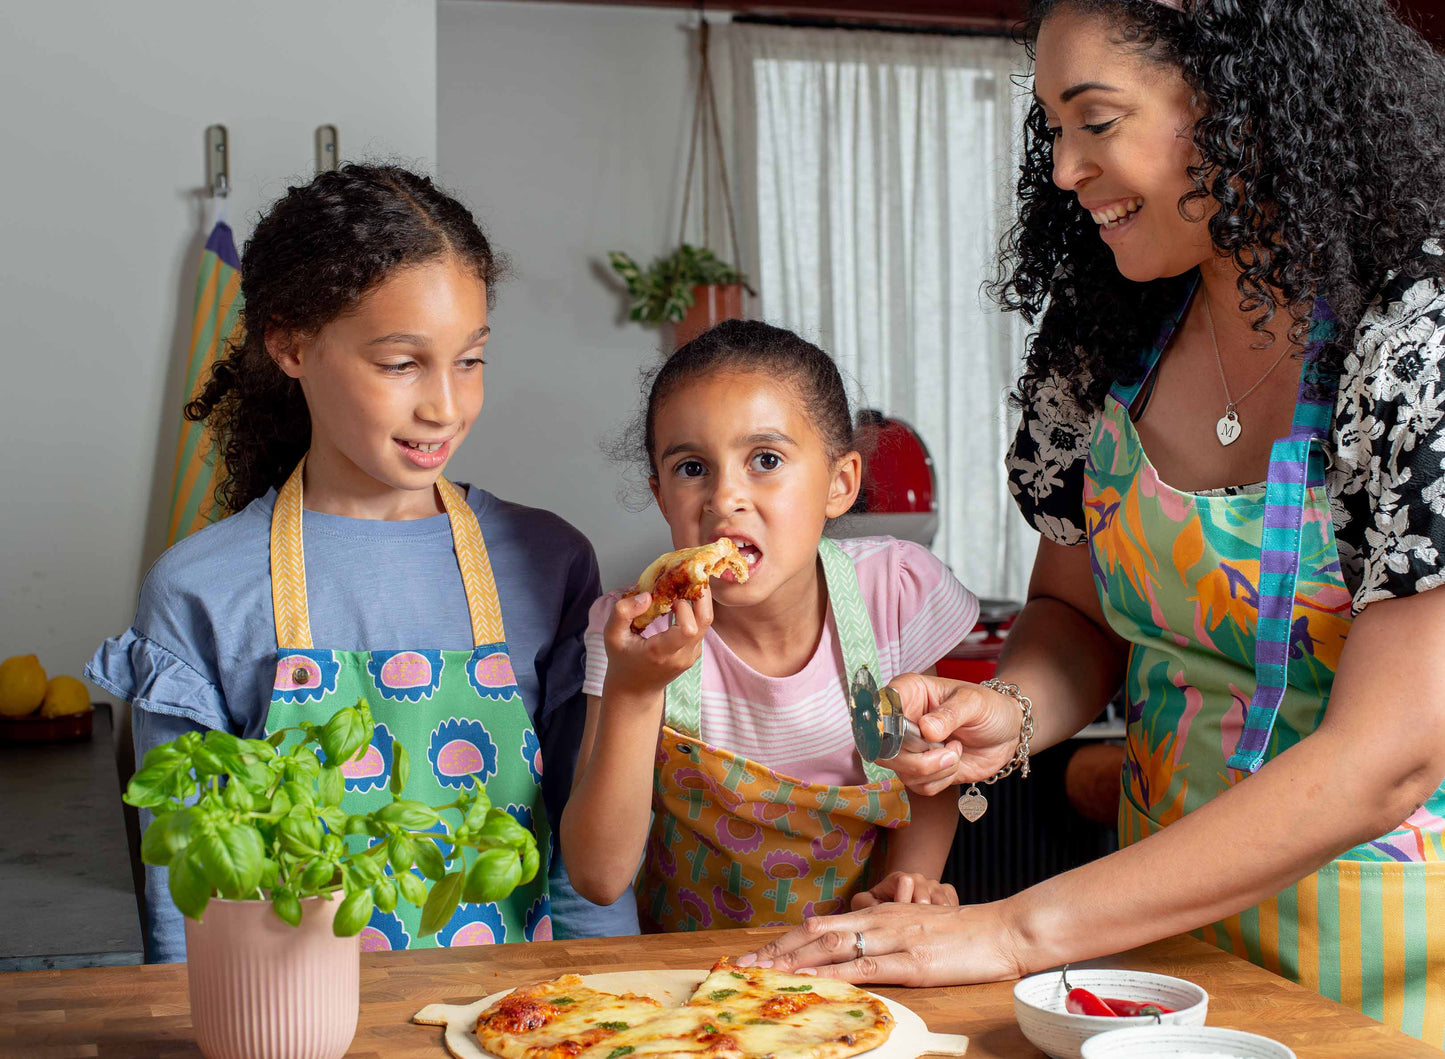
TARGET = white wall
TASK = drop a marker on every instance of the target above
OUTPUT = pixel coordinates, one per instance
(565, 128)
(103, 108)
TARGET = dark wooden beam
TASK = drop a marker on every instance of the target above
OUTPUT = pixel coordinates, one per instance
(1424, 15)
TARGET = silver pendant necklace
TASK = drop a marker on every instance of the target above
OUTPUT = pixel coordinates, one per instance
(1229, 427)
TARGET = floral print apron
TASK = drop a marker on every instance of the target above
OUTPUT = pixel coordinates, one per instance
(456, 712)
(1236, 614)
(735, 844)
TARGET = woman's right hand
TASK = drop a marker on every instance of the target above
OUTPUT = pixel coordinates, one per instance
(978, 726)
(642, 666)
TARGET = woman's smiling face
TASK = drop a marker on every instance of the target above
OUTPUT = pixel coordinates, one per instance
(1121, 126)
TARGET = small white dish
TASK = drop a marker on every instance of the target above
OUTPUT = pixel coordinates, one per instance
(1039, 1006)
(1183, 1042)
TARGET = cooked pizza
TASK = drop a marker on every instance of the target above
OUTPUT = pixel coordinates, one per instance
(684, 574)
(736, 1013)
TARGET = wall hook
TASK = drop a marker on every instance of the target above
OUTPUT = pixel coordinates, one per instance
(328, 149)
(218, 161)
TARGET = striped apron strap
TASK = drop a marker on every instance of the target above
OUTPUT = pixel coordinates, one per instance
(1296, 465)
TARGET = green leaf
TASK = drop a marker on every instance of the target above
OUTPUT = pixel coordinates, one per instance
(344, 736)
(401, 851)
(331, 786)
(275, 739)
(415, 816)
(302, 767)
(368, 866)
(384, 895)
(168, 836)
(189, 888)
(493, 876)
(318, 874)
(233, 858)
(151, 786)
(270, 874)
(238, 797)
(400, 769)
(335, 818)
(357, 824)
(412, 888)
(440, 904)
(353, 914)
(300, 834)
(429, 860)
(531, 862)
(287, 906)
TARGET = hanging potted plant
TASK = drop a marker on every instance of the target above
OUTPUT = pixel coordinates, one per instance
(276, 880)
(691, 289)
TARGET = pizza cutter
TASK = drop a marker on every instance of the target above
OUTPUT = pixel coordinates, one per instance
(880, 730)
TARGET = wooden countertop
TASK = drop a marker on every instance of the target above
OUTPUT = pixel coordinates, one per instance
(123, 1012)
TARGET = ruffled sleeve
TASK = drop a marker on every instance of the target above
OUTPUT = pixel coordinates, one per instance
(935, 610)
(1390, 439)
(141, 672)
(1045, 463)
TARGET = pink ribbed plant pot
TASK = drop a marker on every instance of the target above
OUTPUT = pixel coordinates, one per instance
(262, 989)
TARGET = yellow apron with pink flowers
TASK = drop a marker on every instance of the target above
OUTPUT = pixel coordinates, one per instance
(734, 843)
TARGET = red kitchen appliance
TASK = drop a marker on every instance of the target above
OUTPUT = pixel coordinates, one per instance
(899, 497)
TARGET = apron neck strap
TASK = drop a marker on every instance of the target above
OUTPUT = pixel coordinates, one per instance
(683, 712)
(288, 566)
(1125, 393)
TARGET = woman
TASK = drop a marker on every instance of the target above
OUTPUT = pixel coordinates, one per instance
(1228, 227)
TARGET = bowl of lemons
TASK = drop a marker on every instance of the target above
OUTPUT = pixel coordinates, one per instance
(36, 708)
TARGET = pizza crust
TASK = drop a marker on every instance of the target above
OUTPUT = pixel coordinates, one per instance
(909, 1039)
(684, 574)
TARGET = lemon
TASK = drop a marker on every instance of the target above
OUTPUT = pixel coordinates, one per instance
(63, 696)
(22, 685)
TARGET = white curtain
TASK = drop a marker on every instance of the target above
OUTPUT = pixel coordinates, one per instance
(877, 176)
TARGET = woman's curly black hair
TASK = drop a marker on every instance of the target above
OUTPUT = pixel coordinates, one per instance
(1322, 142)
(312, 257)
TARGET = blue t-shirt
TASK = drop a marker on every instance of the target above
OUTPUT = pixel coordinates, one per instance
(201, 652)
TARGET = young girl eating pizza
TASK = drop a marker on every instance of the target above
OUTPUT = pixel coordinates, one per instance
(457, 615)
(762, 810)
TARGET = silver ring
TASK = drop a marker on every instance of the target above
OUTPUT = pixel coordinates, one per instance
(859, 949)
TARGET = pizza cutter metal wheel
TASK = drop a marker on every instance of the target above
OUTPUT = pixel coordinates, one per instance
(880, 731)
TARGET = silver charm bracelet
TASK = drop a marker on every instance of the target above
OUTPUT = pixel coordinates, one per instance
(971, 803)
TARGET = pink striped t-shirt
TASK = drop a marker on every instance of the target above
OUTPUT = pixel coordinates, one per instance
(799, 725)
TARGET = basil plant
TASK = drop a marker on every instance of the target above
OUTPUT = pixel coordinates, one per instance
(244, 819)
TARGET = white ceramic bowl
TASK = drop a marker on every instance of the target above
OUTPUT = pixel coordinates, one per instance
(1039, 1006)
(1162, 1042)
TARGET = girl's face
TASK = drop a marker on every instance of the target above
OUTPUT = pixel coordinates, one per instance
(737, 456)
(394, 385)
(1122, 128)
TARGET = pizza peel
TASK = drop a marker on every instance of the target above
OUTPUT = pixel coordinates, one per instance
(910, 1038)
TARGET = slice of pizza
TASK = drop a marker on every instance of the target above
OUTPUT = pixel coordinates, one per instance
(791, 1016)
(684, 574)
(560, 1019)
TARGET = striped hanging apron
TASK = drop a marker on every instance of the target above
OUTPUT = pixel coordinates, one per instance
(1236, 614)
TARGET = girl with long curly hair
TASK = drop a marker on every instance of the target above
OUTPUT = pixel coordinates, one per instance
(1233, 445)
(349, 568)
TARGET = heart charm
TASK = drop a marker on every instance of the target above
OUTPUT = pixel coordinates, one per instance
(971, 804)
(1228, 428)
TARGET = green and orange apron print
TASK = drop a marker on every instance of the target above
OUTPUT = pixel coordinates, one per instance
(734, 843)
(1236, 614)
(460, 712)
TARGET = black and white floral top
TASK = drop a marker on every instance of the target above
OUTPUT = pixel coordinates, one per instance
(1387, 484)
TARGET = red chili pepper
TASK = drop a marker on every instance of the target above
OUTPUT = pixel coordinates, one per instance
(1134, 1008)
(1083, 1002)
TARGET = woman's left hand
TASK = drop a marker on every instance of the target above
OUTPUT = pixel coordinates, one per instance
(907, 887)
(902, 945)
